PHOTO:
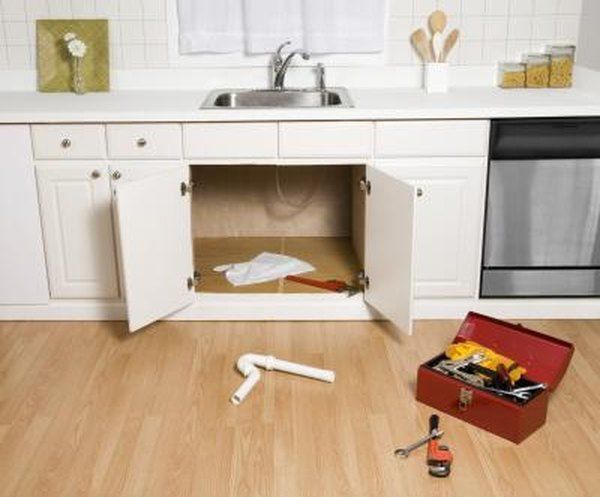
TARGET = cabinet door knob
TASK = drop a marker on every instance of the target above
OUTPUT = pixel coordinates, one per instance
(116, 175)
(96, 174)
(420, 192)
(66, 143)
(141, 142)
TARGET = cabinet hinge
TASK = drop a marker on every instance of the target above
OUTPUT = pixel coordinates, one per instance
(186, 188)
(363, 280)
(365, 185)
(193, 281)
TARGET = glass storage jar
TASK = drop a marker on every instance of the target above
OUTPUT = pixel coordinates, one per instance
(512, 75)
(562, 61)
(538, 70)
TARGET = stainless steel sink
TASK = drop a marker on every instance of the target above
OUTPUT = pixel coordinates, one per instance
(234, 99)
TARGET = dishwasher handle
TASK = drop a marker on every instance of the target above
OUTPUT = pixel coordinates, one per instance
(535, 139)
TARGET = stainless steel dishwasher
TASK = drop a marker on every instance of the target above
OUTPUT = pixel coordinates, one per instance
(542, 228)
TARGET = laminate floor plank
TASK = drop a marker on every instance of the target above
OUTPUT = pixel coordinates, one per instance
(87, 409)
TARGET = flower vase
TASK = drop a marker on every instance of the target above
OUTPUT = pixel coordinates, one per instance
(78, 82)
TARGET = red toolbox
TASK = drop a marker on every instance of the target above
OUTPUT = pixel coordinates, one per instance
(545, 358)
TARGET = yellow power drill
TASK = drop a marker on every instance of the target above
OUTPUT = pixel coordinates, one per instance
(493, 361)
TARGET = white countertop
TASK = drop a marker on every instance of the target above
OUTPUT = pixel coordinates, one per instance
(370, 104)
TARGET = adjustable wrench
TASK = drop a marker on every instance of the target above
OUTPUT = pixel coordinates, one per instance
(405, 451)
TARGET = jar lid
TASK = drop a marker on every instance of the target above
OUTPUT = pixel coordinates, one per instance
(537, 57)
(513, 66)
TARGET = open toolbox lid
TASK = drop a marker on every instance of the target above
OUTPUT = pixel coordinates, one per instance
(546, 358)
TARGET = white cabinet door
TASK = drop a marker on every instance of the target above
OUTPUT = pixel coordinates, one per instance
(389, 238)
(449, 212)
(22, 266)
(75, 205)
(154, 232)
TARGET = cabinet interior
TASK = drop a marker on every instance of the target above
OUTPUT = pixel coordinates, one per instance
(314, 213)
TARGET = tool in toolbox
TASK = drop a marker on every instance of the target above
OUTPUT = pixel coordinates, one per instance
(498, 383)
(336, 286)
(492, 361)
(439, 457)
(456, 368)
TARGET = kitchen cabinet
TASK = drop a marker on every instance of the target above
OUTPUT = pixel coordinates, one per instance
(75, 206)
(68, 141)
(144, 141)
(325, 139)
(230, 140)
(442, 138)
(22, 265)
(155, 244)
(448, 213)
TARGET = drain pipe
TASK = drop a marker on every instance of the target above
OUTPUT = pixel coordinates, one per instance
(248, 365)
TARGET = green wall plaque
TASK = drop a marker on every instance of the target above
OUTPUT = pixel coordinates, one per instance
(54, 63)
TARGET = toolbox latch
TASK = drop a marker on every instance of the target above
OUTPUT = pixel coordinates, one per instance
(465, 399)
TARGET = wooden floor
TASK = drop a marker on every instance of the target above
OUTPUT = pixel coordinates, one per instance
(87, 410)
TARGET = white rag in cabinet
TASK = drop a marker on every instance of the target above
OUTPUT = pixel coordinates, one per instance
(264, 267)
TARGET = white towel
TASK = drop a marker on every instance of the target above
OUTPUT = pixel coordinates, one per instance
(264, 267)
(344, 26)
(271, 22)
(210, 26)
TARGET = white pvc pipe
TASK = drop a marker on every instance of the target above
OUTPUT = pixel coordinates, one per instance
(248, 365)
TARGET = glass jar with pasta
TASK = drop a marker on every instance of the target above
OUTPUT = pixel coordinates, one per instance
(538, 70)
(562, 61)
(512, 75)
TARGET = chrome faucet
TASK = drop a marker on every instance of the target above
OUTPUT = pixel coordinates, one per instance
(281, 65)
(321, 85)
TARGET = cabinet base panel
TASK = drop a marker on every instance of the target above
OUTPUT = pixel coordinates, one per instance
(306, 307)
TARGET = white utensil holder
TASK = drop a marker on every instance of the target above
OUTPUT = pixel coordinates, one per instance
(435, 77)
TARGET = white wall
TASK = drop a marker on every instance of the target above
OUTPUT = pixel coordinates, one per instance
(589, 37)
(143, 32)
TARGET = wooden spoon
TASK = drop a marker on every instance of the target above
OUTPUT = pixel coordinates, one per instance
(449, 44)
(421, 43)
(438, 22)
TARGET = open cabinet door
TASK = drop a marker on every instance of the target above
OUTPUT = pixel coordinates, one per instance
(389, 238)
(154, 231)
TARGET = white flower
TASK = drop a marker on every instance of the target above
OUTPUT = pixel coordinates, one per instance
(69, 36)
(77, 48)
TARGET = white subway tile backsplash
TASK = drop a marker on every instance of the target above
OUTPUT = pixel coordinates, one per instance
(521, 7)
(495, 28)
(139, 29)
(15, 33)
(519, 28)
(544, 28)
(496, 7)
(19, 57)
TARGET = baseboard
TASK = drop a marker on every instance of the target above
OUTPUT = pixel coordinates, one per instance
(308, 308)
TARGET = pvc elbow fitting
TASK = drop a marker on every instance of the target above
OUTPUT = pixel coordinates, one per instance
(248, 365)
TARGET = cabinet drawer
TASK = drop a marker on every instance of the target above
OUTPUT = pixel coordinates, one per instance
(230, 140)
(144, 141)
(68, 141)
(431, 138)
(339, 139)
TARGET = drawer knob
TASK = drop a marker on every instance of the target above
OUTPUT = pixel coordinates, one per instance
(96, 174)
(116, 175)
(141, 142)
(420, 192)
(66, 143)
